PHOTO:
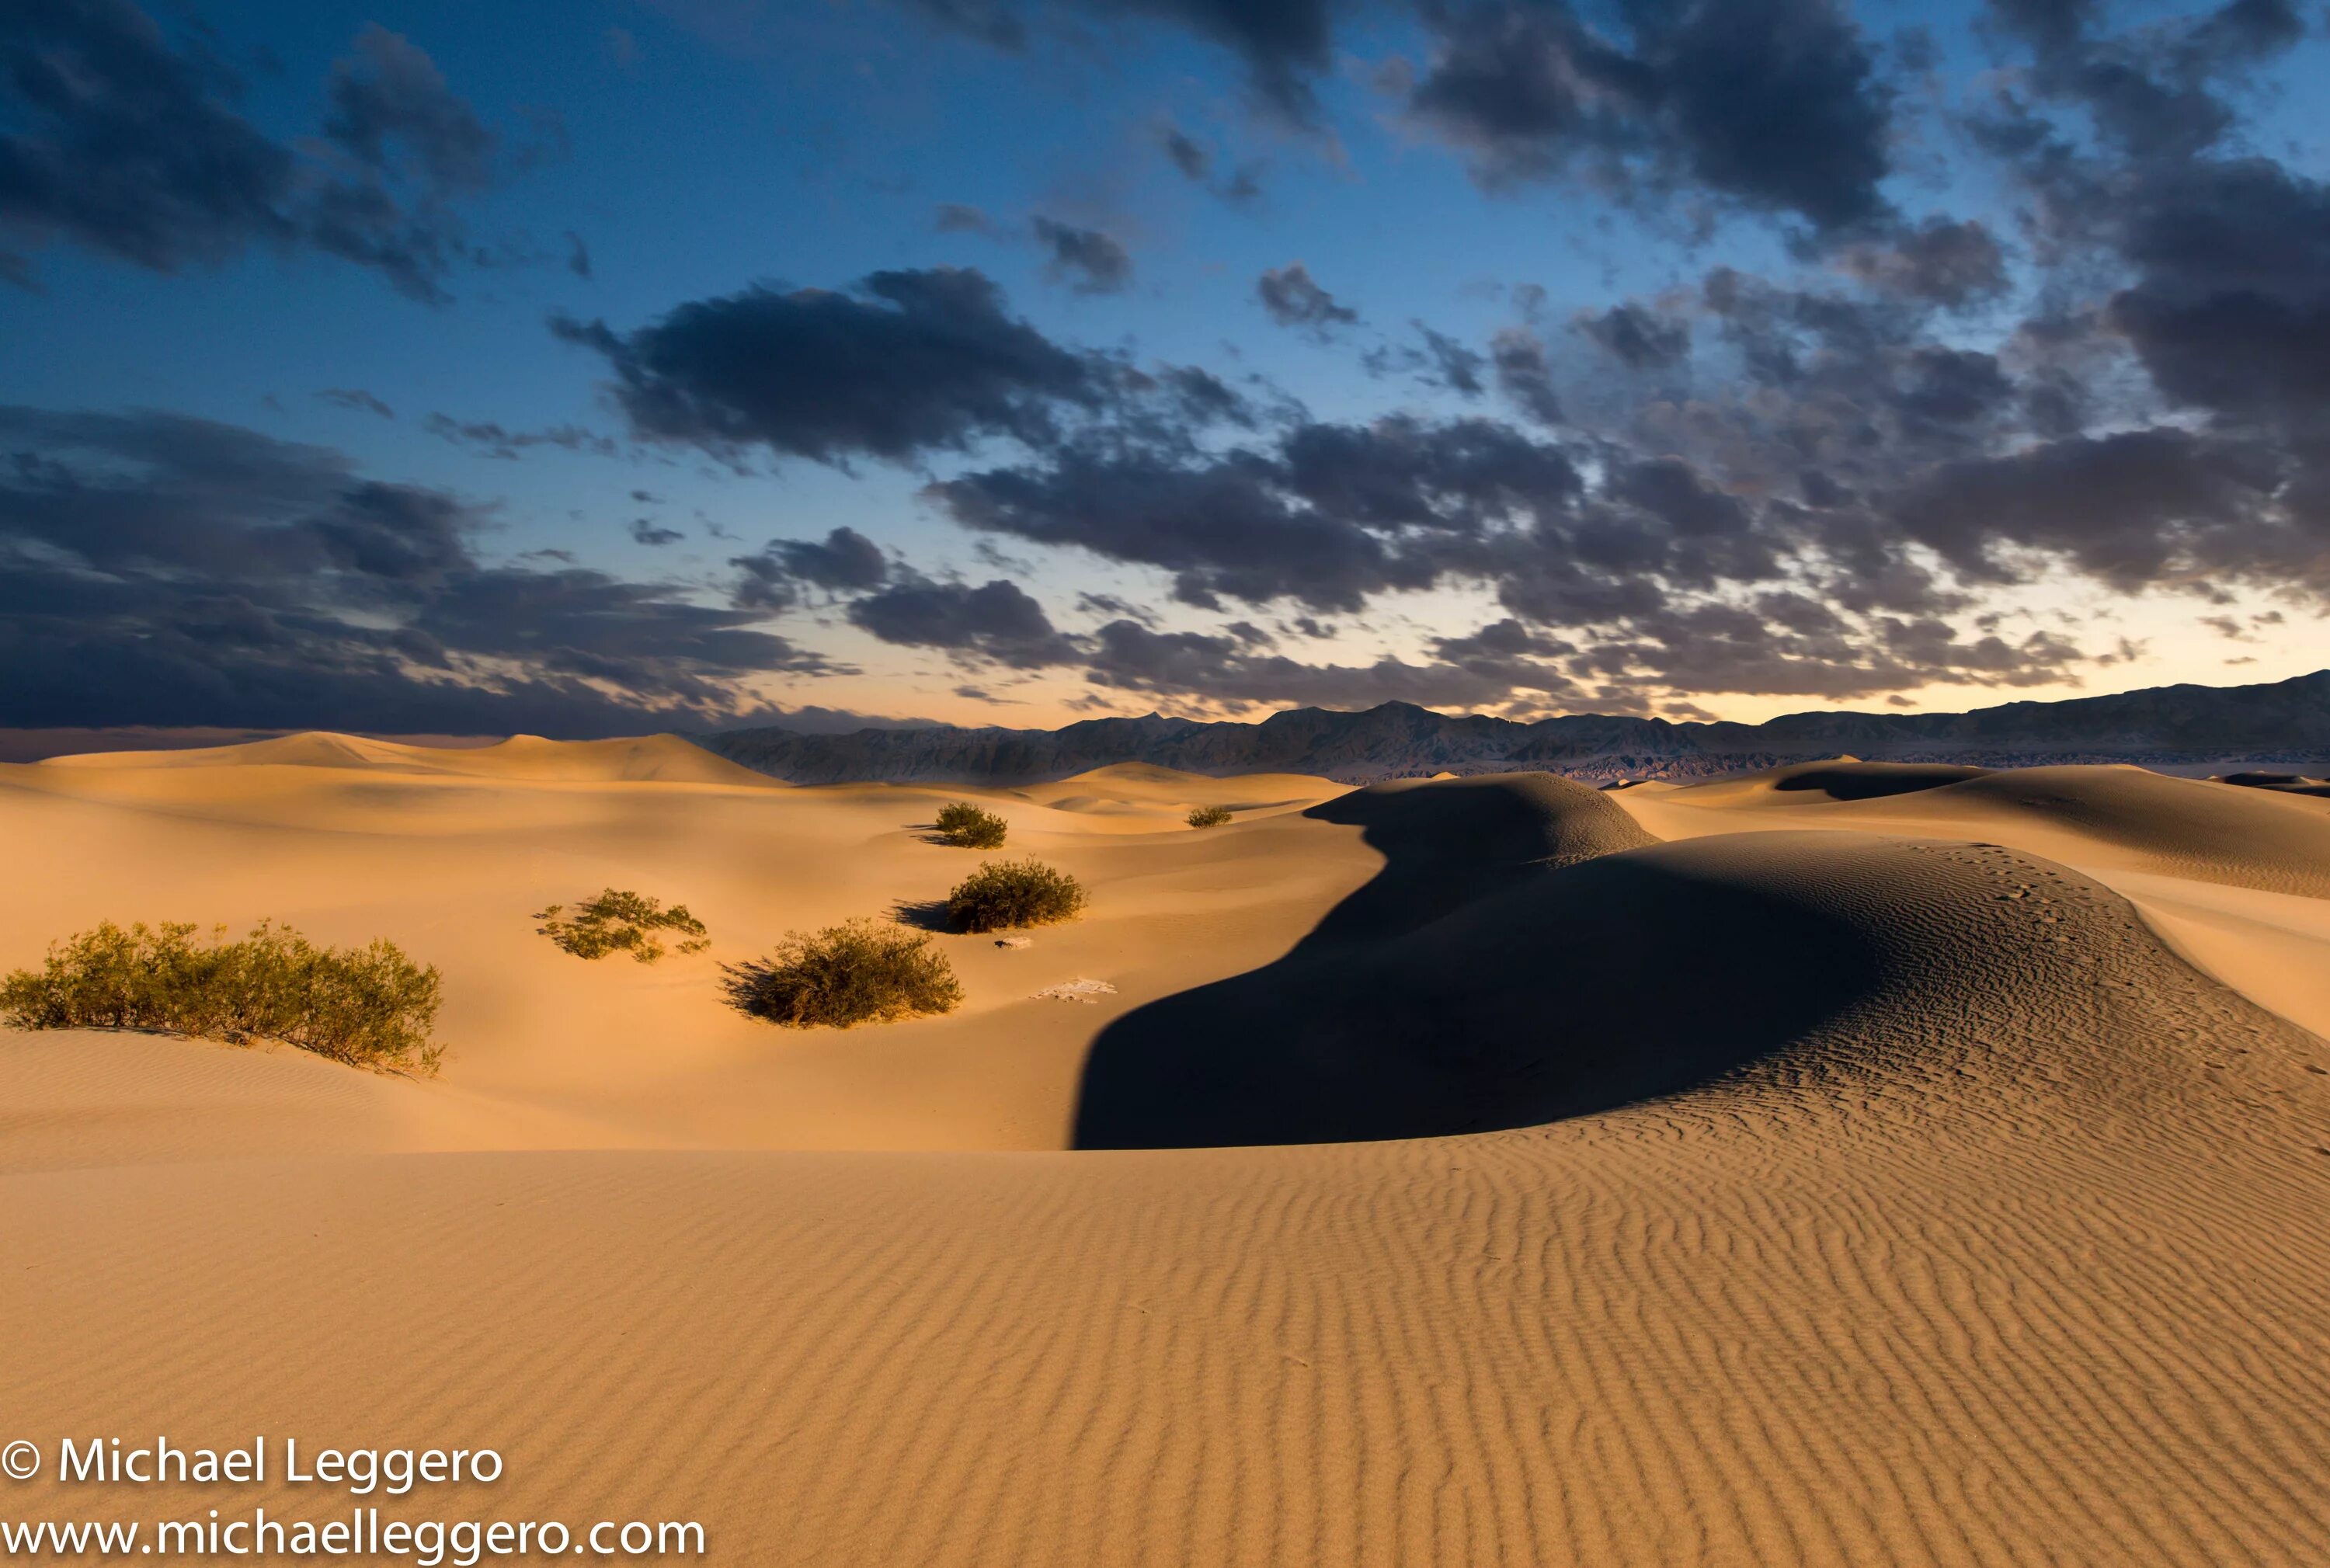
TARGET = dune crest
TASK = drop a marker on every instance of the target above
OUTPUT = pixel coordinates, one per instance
(664, 759)
(2112, 816)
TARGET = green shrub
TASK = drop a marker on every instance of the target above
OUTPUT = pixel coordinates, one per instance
(1208, 815)
(966, 827)
(370, 1007)
(1003, 893)
(865, 971)
(617, 918)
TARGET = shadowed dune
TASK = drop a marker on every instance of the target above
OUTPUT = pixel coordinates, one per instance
(1447, 842)
(1555, 990)
(1844, 780)
(2280, 783)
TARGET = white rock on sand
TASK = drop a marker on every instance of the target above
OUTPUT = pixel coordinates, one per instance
(1088, 991)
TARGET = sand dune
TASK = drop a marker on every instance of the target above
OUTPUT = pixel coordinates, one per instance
(1155, 796)
(1916, 1200)
(452, 868)
(1838, 779)
(665, 758)
(2105, 820)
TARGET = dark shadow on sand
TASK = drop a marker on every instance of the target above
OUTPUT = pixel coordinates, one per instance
(1875, 781)
(926, 915)
(1479, 982)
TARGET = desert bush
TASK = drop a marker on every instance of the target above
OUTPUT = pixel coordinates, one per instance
(1208, 815)
(966, 827)
(622, 919)
(1004, 894)
(863, 972)
(370, 1007)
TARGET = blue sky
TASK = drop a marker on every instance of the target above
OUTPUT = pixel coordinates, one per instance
(1502, 175)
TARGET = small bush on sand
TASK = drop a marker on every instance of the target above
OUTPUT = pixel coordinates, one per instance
(1208, 815)
(966, 827)
(863, 972)
(369, 1006)
(620, 920)
(1004, 894)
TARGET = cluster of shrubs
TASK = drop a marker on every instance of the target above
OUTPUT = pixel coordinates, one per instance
(866, 971)
(620, 920)
(1208, 815)
(370, 1007)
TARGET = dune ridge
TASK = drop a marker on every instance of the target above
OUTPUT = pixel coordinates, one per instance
(665, 758)
(2198, 829)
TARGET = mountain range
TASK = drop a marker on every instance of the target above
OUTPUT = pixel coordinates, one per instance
(2283, 721)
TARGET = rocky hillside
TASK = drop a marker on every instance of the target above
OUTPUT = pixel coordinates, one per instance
(2286, 722)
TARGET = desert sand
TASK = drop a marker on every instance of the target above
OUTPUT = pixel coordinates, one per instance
(1853, 1165)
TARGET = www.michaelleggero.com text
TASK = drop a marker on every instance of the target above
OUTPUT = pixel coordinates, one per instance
(360, 1534)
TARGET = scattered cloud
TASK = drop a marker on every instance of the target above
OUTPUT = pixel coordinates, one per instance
(357, 399)
(125, 143)
(774, 578)
(1777, 107)
(161, 568)
(1295, 300)
(493, 440)
(903, 364)
(1086, 260)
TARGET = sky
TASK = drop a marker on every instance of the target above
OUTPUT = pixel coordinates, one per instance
(598, 368)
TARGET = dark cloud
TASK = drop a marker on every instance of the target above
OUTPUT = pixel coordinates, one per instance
(495, 441)
(957, 218)
(1775, 104)
(644, 531)
(2133, 509)
(2230, 307)
(1953, 386)
(1194, 161)
(128, 145)
(1239, 187)
(391, 104)
(1636, 336)
(844, 560)
(1441, 361)
(1088, 260)
(1948, 263)
(1294, 299)
(1284, 42)
(902, 365)
(1525, 375)
(156, 569)
(2161, 90)
(1243, 188)
(1331, 514)
(1226, 669)
(355, 399)
(578, 256)
(996, 621)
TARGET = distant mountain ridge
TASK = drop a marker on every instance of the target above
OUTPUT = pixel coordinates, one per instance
(2284, 722)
